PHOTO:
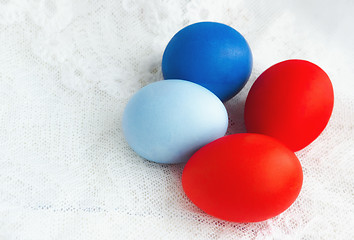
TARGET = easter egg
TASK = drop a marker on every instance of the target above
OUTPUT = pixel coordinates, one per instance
(243, 178)
(167, 121)
(291, 101)
(210, 54)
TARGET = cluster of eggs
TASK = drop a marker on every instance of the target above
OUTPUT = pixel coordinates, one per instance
(246, 177)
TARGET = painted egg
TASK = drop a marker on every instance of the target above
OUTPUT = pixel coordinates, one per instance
(211, 54)
(167, 121)
(291, 101)
(243, 178)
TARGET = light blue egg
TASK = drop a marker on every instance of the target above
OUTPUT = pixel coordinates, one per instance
(167, 121)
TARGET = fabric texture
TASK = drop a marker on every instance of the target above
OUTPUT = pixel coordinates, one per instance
(67, 70)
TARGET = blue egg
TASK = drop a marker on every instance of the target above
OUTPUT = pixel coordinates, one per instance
(211, 54)
(167, 121)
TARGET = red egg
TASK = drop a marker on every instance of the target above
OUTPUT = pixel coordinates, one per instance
(291, 101)
(243, 178)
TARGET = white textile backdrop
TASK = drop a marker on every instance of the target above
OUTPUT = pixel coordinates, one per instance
(67, 70)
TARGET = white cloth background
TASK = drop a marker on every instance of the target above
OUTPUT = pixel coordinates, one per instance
(68, 68)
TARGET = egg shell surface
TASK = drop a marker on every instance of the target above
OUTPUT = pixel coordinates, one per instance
(167, 121)
(291, 101)
(211, 54)
(243, 178)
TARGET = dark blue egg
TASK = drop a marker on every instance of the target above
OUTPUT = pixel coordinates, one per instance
(210, 54)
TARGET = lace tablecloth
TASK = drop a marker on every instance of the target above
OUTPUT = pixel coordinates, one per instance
(68, 68)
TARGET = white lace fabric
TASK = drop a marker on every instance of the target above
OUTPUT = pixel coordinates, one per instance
(67, 70)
